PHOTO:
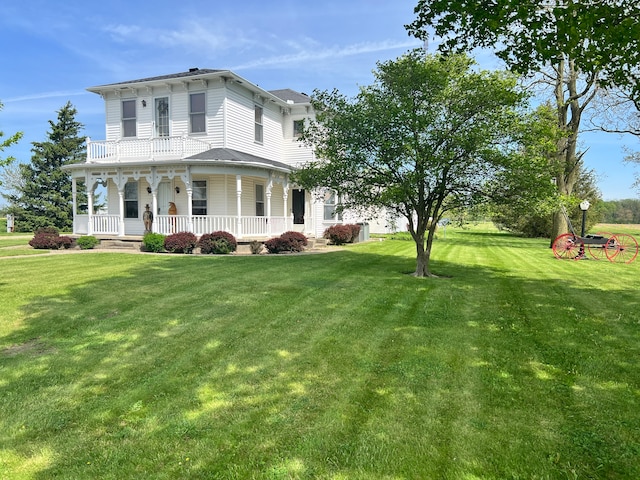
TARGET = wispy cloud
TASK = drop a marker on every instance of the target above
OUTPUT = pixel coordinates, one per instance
(336, 52)
(44, 95)
(191, 35)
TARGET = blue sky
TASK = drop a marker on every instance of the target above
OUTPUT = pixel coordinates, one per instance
(53, 51)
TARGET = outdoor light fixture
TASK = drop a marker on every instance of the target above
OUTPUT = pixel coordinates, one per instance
(177, 189)
(149, 190)
(584, 206)
(144, 103)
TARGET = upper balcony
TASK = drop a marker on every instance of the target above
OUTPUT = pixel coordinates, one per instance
(152, 149)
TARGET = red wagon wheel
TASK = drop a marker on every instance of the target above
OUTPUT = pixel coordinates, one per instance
(566, 246)
(621, 248)
(599, 251)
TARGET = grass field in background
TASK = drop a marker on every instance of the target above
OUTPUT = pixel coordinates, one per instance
(333, 366)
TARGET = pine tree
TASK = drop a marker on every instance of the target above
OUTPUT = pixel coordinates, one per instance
(45, 196)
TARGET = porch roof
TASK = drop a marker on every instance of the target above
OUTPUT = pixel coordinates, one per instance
(213, 157)
(225, 155)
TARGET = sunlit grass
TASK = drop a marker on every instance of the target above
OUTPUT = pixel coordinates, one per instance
(513, 365)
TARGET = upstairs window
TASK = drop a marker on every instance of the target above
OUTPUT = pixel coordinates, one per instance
(298, 126)
(259, 200)
(258, 111)
(331, 202)
(128, 118)
(199, 202)
(162, 116)
(131, 200)
(197, 113)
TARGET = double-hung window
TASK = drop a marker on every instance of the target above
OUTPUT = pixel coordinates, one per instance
(298, 126)
(131, 200)
(259, 200)
(128, 118)
(258, 114)
(162, 116)
(197, 113)
(199, 202)
(331, 203)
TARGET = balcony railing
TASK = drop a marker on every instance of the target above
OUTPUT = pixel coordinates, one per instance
(161, 148)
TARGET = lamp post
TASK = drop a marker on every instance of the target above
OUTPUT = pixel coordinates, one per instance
(584, 206)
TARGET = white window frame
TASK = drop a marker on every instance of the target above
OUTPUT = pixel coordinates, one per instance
(131, 197)
(198, 187)
(298, 126)
(197, 114)
(129, 123)
(331, 202)
(258, 117)
(161, 129)
(259, 189)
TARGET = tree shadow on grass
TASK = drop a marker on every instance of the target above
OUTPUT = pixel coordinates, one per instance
(322, 366)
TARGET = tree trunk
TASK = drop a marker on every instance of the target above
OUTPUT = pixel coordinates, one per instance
(567, 161)
(422, 259)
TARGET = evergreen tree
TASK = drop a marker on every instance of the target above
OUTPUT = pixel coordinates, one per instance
(44, 198)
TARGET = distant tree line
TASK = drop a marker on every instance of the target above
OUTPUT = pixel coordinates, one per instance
(621, 211)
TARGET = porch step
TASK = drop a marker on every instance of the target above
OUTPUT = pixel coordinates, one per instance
(120, 244)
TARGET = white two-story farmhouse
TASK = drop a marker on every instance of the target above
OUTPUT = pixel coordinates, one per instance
(206, 150)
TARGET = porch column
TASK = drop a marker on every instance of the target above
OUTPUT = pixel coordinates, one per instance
(121, 201)
(74, 201)
(190, 207)
(154, 208)
(89, 210)
(269, 210)
(285, 196)
(239, 203)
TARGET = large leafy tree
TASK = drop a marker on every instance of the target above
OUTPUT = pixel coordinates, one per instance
(7, 142)
(575, 45)
(44, 196)
(430, 135)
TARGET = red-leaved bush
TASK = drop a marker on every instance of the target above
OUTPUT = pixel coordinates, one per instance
(219, 242)
(48, 238)
(181, 242)
(287, 242)
(341, 234)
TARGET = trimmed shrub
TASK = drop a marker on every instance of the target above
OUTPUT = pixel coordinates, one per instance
(286, 243)
(153, 242)
(256, 247)
(48, 238)
(87, 242)
(339, 234)
(181, 242)
(217, 243)
(295, 237)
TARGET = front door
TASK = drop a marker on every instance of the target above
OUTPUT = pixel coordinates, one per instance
(297, 203)
(164, 197)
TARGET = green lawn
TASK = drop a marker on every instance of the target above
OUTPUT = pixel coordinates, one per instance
(331, 366)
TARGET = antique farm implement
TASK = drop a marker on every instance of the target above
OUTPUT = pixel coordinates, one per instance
(618, 248)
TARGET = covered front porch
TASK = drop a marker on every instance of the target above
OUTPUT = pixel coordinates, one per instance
(217, 190)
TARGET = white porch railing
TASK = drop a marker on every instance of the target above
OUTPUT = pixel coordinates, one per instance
(100, 224)
(151, 148)
(199, 224)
